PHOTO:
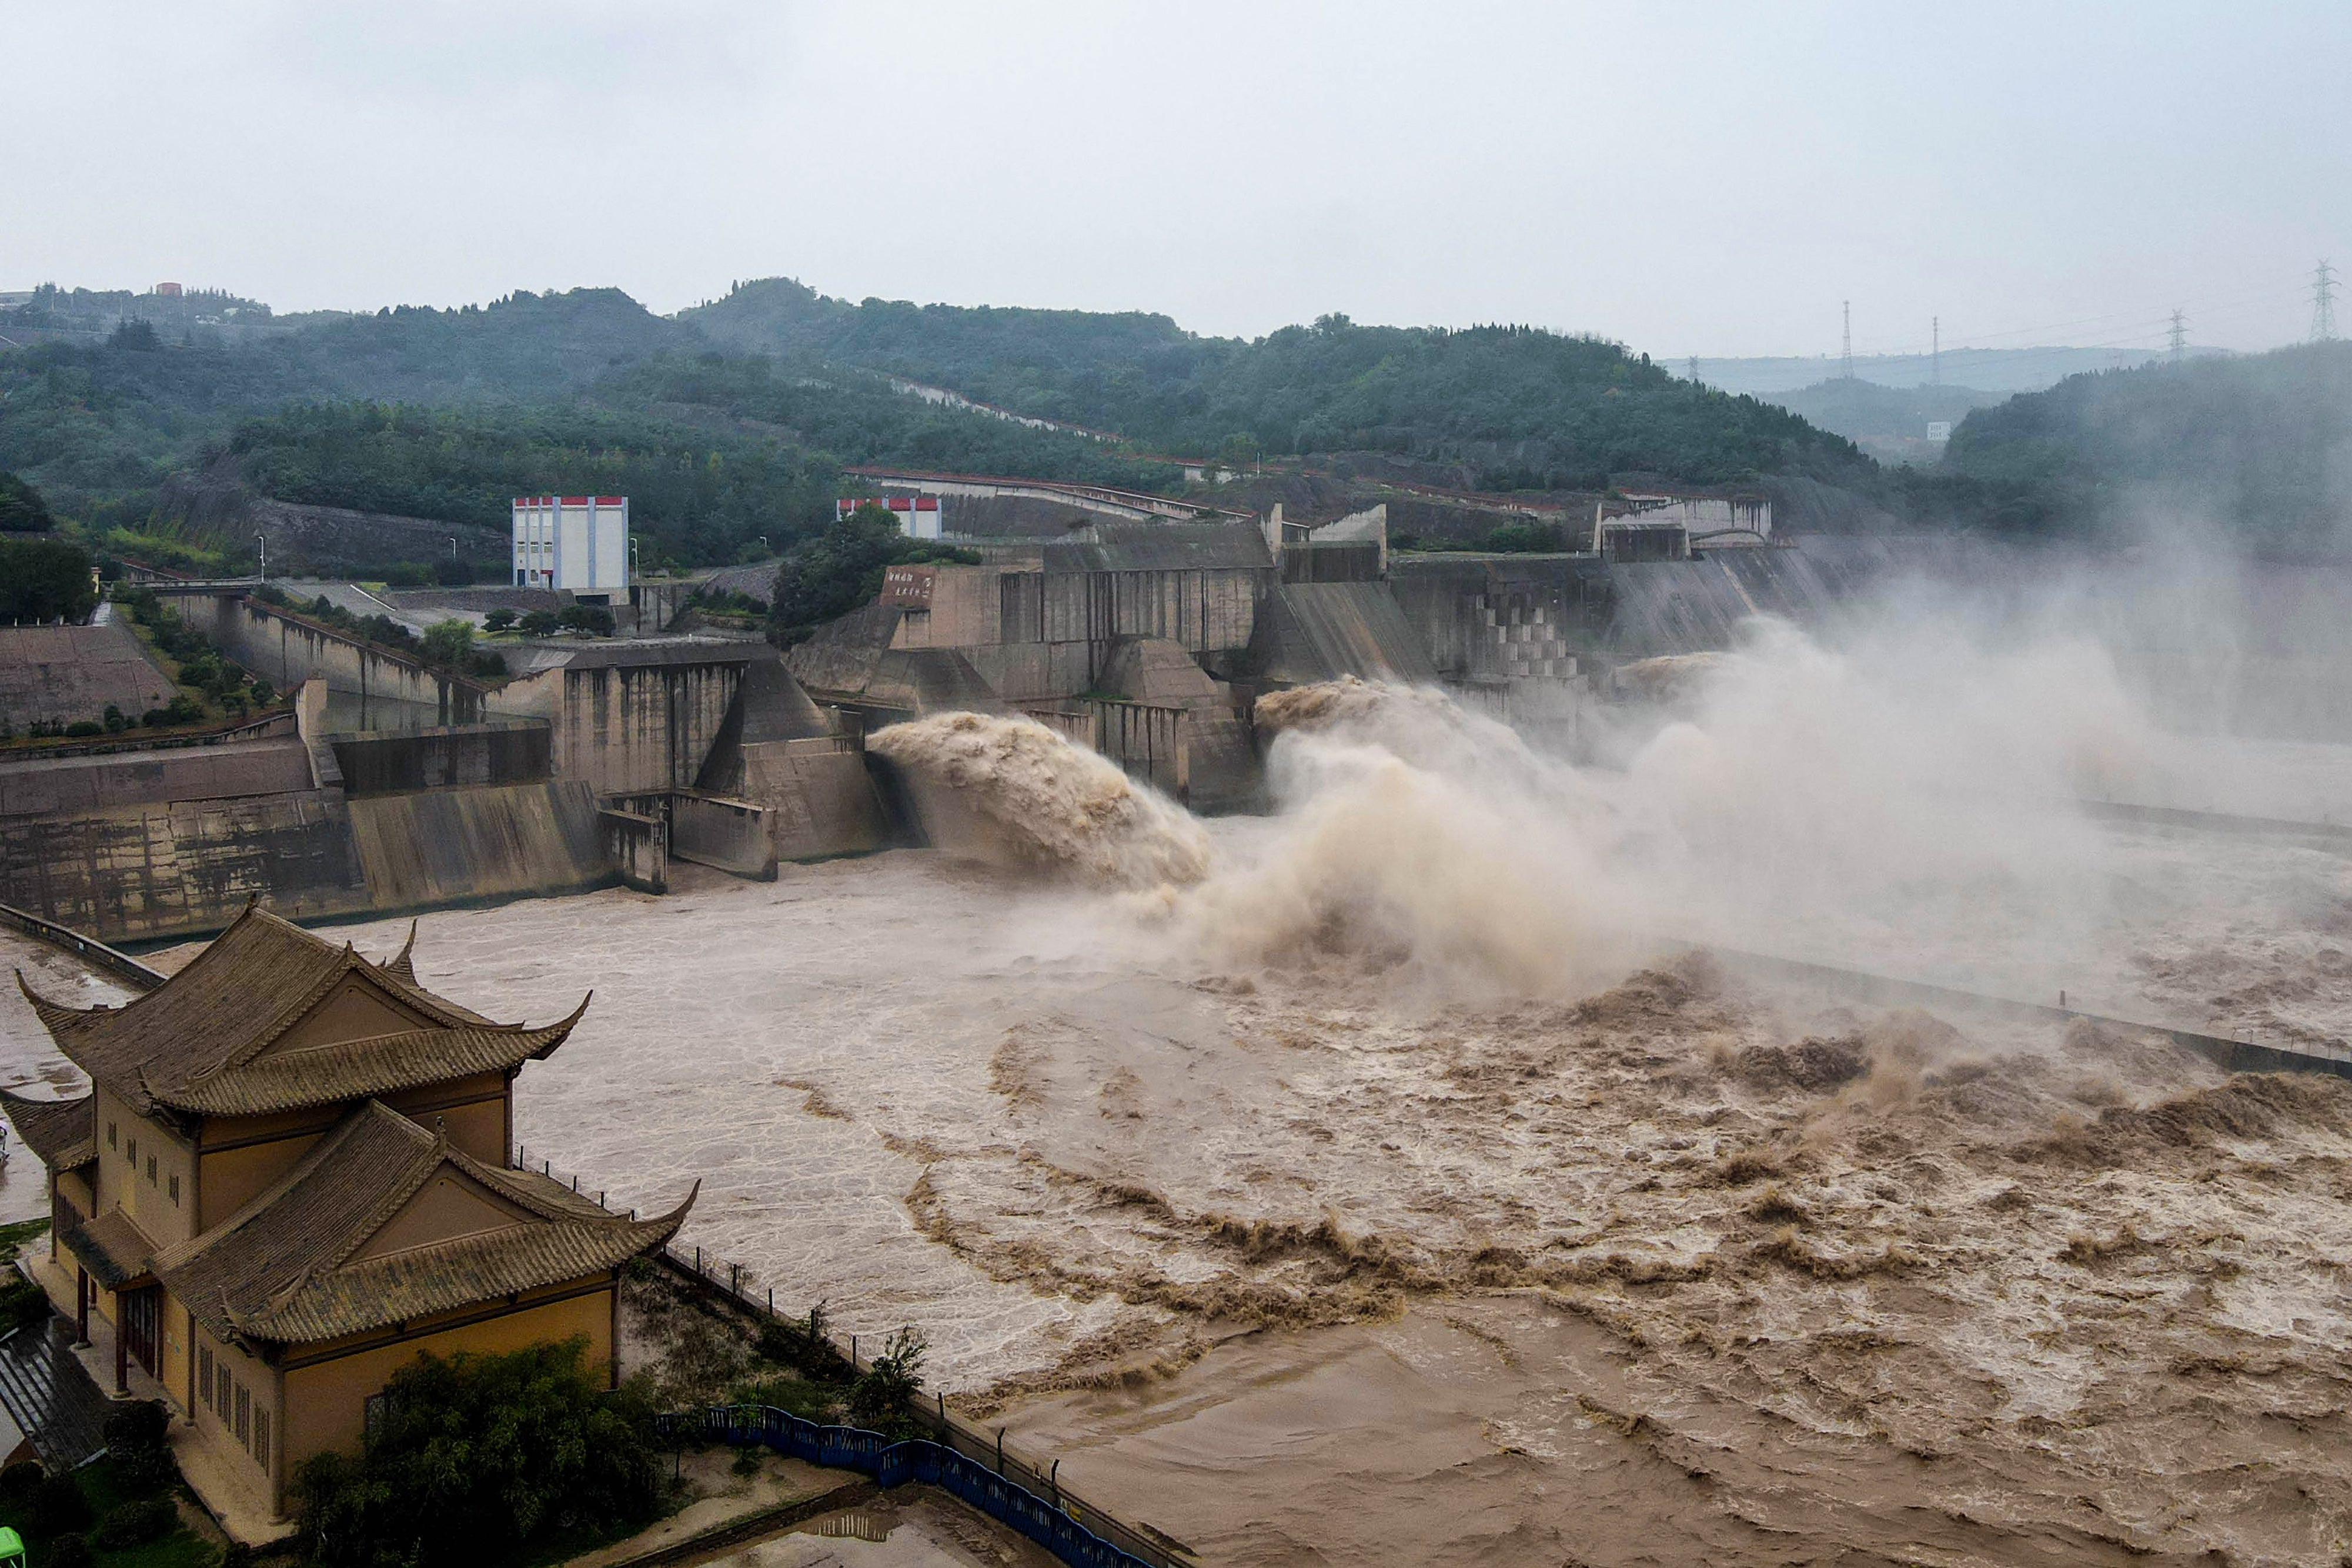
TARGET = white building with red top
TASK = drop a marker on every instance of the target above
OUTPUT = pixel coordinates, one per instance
(575, 542)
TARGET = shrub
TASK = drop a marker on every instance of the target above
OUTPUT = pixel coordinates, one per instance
(136, 1523)
(136, 1440)
(879, 1398)
(19, 1481)
(68, 1551)
(448, 643)
(479, 1454)
(57, 1507)
(81, 728)
(21, 1303)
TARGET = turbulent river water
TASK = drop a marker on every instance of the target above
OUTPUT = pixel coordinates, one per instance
(1366, 1184)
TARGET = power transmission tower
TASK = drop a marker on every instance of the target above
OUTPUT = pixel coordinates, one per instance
(1935, 349)
(1848, 352)
(2179, 334)
(1693, 370)
(2323, 303)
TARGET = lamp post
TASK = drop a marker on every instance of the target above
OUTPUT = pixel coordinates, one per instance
(264, 540)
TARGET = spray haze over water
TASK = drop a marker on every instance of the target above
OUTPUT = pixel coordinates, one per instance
(1898, 794)
(1577, 1252)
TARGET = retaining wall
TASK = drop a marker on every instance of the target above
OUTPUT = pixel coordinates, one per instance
(287, 649)
(449, 846)
(79, 785)
(635, 844)
(174, 868)
(732, 835)
(510, 751)
(821, 801)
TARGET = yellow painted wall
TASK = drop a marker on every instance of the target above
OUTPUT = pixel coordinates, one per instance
(230, 1177)
(123, 1183)
(325, 1400)
(472, 1110)
(357, 1009)
(219, 1433)
(177, 1351)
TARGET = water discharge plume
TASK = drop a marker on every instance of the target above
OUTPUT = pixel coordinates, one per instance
(1011, 790)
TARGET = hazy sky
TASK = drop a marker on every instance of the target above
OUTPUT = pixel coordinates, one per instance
(1688, 178)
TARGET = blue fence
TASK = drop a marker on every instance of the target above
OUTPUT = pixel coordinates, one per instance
(893, 1464)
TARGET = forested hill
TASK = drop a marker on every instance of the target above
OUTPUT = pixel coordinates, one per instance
(441, 414)
(2260, 446)
(1524, 407)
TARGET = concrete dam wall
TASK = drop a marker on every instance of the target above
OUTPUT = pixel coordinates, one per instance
(174, 868)
(448, 846)
(144, 842)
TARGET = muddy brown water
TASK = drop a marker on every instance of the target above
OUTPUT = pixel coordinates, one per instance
(1303, 1255)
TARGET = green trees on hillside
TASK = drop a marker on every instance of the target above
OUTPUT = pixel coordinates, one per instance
(2259, 445)
(22, 511)
(43, 579)
(693, 496)
(1531, 404)
(842, 567)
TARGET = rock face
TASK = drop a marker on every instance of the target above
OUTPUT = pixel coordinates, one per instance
(218, 507)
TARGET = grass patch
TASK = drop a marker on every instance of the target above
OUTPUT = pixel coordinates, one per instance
(13, 1237)
(102, 1491)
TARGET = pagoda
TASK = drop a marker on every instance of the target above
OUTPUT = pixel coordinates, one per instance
(290, 1175)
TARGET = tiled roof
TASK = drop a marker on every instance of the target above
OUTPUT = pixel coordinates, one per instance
(63, 1133)
(196, 1042)
(111, 1246)
(281, 1268)
(354, 1069)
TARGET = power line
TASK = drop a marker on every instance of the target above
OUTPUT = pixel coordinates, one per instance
(2323, 303)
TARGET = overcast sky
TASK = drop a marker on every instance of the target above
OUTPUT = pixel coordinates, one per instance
(1708, 179)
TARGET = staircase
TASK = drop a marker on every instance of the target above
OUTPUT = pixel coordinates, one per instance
(50, 1394)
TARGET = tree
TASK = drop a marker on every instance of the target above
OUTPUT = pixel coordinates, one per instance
(842, 567)
(879, 1399)
(539, 624)
(447, 642)
(136, 334)
(479, 1456)
(41, 579)
(591, 620)
(22, 511)
(498, 619)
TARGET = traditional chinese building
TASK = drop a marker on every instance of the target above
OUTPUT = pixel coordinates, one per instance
(290, 1177)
